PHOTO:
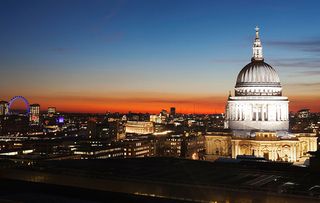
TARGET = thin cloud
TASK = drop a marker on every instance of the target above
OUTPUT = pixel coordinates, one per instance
(311, 45)
(316, 84)
(310, 73)
(297, 62)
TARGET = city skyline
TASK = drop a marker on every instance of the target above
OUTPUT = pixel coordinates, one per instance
(143, 57)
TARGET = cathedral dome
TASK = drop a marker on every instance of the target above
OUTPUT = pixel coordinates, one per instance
(258, 78)
(258, 73)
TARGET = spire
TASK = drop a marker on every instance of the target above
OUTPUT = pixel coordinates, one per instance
(257, 32)
(257, 47)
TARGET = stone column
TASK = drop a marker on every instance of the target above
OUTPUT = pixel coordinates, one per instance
(274, 152)
(259, 151)
(267, 114)
(235, 151)
(291, 153)
(251, 112)
(270, 153)
(299, 150)
(286, 111)
(295, 152)
(314, 144)
(231, 112)
(237, 112)
(282, 112)
(279, 110)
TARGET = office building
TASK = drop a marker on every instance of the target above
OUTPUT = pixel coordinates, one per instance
(4, 108)
(139, 127)
(34, 115)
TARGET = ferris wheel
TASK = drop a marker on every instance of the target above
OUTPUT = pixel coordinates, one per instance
(11, 102)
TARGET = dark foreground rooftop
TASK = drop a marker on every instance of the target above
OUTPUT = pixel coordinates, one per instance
(161, 179)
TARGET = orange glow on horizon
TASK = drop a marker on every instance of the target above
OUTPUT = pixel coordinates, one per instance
(199, 105)
(144, 106)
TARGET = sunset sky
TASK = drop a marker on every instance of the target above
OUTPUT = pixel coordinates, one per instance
(144, 56)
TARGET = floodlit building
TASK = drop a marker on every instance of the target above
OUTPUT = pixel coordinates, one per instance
(139, 127)
(304, 113)
(4, 108)
(155, 118)
(51, 111)
(258, 118)
(34, 116)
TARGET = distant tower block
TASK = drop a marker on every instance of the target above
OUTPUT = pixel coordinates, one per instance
(34, 116)
(173, 111)
(4, 108)
(51, 111)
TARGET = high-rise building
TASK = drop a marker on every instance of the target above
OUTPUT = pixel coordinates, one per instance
(304, 113)
(173, 111)
(164, 113)
(34, 116)
(4, 108)
(155, 118)
(51, 111)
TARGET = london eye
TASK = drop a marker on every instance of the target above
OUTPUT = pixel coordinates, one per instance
(16, 98)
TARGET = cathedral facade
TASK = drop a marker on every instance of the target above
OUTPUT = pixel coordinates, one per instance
(257, 117)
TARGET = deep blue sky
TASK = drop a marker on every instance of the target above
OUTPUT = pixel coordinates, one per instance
(132, 49)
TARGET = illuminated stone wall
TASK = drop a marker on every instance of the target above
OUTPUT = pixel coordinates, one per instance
(258, 113)
(139, 127)
(264, 144)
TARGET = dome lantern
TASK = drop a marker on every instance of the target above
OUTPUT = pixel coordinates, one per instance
(257, 47)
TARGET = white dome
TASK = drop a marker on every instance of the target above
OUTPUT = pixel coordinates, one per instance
(258, 73)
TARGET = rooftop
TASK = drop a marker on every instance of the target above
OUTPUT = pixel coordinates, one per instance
(174, 178)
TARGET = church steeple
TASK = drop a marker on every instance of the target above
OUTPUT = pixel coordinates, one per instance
(257, 48)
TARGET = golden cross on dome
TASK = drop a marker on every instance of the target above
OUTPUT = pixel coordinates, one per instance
(257, 31)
